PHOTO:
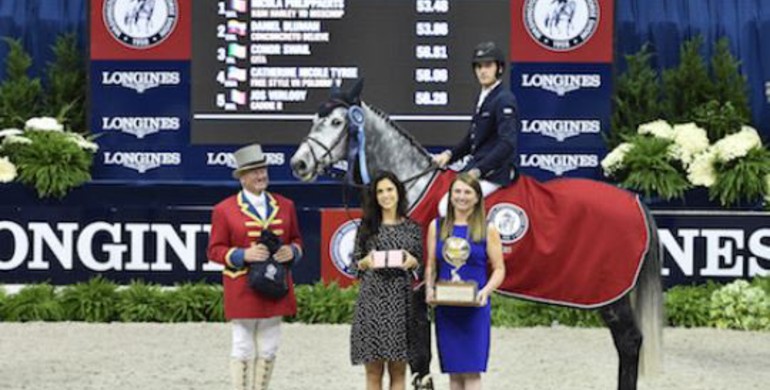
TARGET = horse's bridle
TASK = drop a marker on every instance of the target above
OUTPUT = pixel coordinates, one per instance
(328, 150)
(343, 136)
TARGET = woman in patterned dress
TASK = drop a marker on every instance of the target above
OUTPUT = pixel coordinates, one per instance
(379, 332)
(462, 333)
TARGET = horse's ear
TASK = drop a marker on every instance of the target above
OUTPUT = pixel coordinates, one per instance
(335, 89)
(354, 96)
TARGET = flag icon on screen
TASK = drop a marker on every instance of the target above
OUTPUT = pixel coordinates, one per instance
(238, 5)
(235, 73)
(237, 96)
(236, 27)
(236, 50)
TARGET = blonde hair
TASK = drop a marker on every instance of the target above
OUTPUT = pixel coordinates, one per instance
(477, 221)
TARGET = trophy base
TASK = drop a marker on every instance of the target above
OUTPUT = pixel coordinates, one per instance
(456, 294)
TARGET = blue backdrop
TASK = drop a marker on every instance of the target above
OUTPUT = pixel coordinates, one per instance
(37, 23)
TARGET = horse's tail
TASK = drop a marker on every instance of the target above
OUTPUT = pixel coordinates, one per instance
(647, 301)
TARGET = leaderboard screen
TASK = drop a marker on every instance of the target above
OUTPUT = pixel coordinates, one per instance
(261, 68)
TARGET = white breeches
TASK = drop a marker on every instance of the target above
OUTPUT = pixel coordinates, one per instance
(252, 334)
(487, 187)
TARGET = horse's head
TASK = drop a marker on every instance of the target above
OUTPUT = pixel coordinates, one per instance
(327, 141)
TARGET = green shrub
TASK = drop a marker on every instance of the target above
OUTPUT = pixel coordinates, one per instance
(636, 98)
(742, 180)
(650, 169)
(20, 95)
(688, 306)
(325, 304)
(730, 86)
(37, 302)
(3, 297)
(740, 305)
(763, 283)
(141, 302)
(719, 119)
(66, 97)
(92, 301)
(688, 85)
(191, 302)
(510, 313)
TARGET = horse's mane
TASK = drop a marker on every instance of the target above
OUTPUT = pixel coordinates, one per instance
(405, 133)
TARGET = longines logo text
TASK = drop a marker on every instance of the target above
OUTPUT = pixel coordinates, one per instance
(561, 84)
(560, 163)
(140, 126)
(142, 161)
(141, 81)
(104, 246)
(561, 129)
(228, 160)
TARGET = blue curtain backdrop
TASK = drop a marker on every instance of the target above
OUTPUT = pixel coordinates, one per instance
(663, 23)
(37, 23)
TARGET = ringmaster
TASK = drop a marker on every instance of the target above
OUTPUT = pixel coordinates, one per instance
(237, 223)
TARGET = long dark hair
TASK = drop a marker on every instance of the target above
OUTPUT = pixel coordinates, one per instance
(372, 219)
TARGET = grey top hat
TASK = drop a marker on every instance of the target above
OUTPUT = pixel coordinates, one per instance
(247, 158)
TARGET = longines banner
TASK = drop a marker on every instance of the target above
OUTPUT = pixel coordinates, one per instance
(561, 74)
(167, 245)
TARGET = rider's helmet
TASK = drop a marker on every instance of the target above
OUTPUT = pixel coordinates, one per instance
(488, 51)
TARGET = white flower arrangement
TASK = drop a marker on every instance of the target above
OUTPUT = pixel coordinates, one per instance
(83, 142)
(701, 171)
(7, 170)
(45, 123)
(47, 136)
(689, 141)
(614, 159)
(8, 132)
(658, 128)
(16, 139)
(737, 145)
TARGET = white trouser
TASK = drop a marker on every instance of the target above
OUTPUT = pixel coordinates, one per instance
(250, 334)
(487, 187)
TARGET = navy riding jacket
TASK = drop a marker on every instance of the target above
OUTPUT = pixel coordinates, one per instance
(491, 139)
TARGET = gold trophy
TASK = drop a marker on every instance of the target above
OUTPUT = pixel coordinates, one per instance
(456, 292)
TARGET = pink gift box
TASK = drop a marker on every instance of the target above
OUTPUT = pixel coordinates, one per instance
(395, 258)
(380, 259)
(388, 259)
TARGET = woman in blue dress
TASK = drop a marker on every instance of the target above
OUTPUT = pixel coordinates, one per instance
(462, 333)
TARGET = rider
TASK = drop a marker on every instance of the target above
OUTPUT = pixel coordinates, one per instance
(491, 139)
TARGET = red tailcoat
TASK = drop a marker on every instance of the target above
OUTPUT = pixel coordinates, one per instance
(235, 224)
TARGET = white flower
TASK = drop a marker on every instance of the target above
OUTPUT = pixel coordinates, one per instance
(658, 128)
(7, 132)
(614, 159)
(82, 142)
(16, 139)
(737, 145)
(43, 124)
(701, 171)
(689, 140)
(7, 170)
